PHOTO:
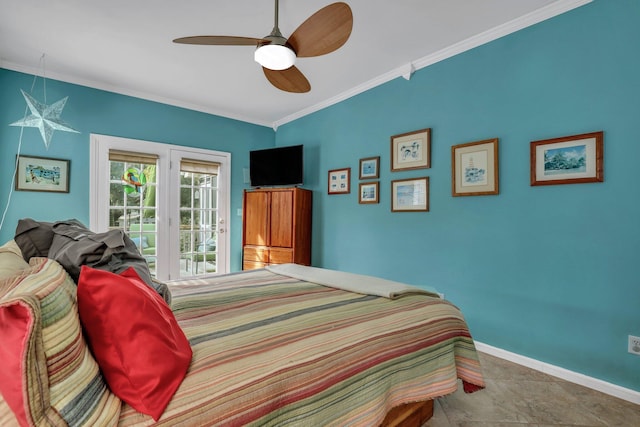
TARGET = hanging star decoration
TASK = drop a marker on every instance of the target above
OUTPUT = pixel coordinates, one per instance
(44, 117)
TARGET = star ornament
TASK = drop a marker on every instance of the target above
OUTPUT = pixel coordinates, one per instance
(44, 117)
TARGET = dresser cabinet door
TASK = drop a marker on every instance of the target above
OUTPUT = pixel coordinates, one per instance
(256, 227)
(282, 219)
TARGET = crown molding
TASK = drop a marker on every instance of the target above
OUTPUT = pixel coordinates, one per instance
(406, 70)
(36, 71)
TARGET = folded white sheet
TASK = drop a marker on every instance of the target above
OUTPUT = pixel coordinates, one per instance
(351, 282)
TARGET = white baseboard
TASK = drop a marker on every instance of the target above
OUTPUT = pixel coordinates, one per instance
(573, 377)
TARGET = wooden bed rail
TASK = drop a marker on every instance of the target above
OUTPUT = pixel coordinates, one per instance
(409, 415)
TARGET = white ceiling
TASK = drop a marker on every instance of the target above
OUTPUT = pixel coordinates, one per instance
(126, 46)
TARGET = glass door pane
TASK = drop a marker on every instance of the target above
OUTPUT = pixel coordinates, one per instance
(198, 221)
(132, 204)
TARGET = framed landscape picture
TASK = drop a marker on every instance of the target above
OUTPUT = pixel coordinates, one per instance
(42, 174)
(410, 195)
(568, 160)
(370, 168)
(474, 168)
(369, 192)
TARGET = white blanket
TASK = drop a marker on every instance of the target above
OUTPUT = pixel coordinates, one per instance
(351, 282)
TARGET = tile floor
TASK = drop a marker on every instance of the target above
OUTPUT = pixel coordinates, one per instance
(517, 396)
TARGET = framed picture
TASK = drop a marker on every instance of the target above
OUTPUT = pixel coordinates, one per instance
(410, 195)
(568, 160)
(369, 193)
(42, 174)
(474, 168)
(370, 168)
(340, 181)
(411, 150)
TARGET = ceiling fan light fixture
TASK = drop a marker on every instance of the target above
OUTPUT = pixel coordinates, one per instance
(275, 56)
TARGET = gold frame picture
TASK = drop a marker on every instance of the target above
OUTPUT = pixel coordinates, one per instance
(369, 193)
(370, 168)
(572, 159)
(474, 168)
(410, 195)
(411, 150)
(339, 181)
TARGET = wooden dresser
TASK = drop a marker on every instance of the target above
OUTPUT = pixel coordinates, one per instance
(276, 227)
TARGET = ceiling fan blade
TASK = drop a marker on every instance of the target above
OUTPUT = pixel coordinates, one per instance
(323, 32)
(219, 40)
(289, 80)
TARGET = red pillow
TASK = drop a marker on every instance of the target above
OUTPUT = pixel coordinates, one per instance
(142, 352)
(17, 321)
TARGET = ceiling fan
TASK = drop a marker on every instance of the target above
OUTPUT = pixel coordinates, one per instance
(323, 32)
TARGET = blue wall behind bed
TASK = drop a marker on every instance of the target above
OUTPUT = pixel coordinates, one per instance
(95, 111)
(547, 272)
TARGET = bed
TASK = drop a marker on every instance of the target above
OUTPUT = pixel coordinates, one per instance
(295, 346)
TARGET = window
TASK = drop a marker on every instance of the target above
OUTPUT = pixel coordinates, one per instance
(171, 201)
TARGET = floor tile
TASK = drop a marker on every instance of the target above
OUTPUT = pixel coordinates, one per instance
(516, 396)
(610, 410)
(439, 418)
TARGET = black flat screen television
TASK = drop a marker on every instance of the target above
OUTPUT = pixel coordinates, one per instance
(278, 166)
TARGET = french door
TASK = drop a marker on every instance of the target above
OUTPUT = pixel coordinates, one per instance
(173, 202)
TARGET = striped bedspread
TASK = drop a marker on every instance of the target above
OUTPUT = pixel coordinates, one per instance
(271, 350)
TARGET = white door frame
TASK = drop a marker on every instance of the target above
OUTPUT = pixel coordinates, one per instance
(168, 204)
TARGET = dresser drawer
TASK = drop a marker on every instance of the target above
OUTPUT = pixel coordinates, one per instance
(252, 265)
(280, 256)
(256, 253)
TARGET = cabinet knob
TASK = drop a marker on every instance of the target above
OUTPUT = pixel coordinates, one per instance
(221, 230)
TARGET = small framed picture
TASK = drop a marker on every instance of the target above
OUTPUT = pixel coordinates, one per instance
(568, 160)
(410, 195)
(42, 174)
(370, 168)
(411, 150)
(369, 193)
(474, 168)
(339, 181)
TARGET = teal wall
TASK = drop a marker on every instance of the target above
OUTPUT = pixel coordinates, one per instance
(547, 272)
(95, 111)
